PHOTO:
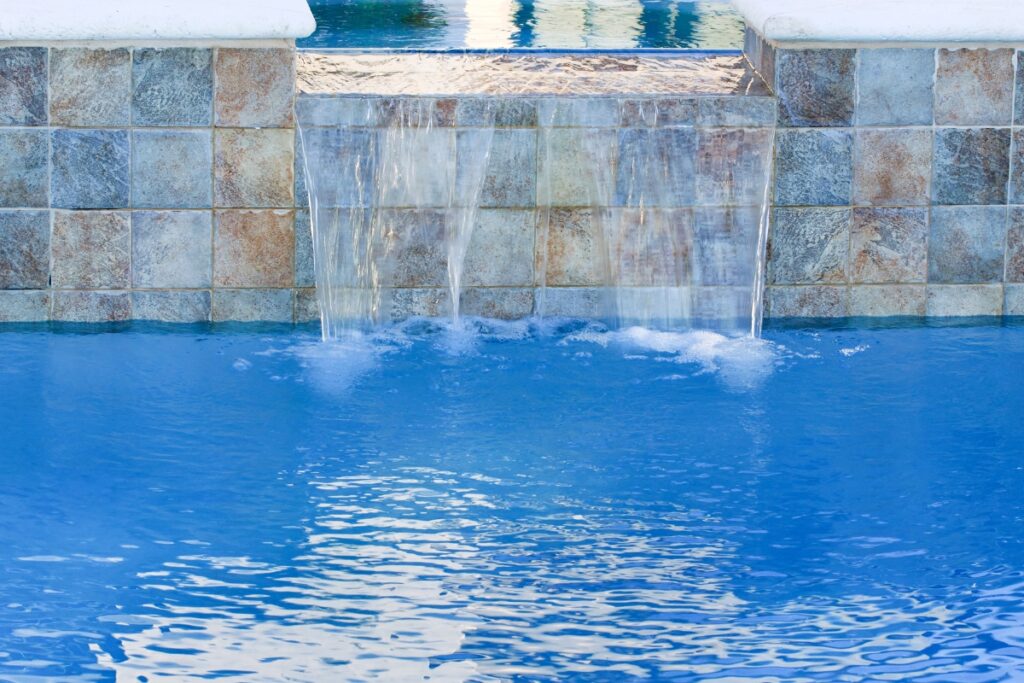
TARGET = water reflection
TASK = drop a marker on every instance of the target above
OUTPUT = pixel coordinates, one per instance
(503, 24)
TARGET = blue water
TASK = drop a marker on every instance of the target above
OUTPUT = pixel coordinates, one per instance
(505, 24)
(247, 504)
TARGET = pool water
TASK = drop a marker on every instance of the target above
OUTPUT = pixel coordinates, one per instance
(511, 24)
(522, 502)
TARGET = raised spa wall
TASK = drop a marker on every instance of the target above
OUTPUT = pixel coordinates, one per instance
(148, 163)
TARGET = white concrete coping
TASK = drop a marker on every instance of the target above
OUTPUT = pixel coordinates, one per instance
(932, 22)
(25, 21)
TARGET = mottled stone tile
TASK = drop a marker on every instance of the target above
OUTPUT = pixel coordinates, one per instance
(172, 307)
(1015, 245)
(172, 87)
(641, 112)
(419, 257)
(415, 112)
(815, 87)
(961, 301)
(971, 165)
(974, 87)
(572, 302)
(761, 55)
(254, 87)
(305, 275)
(895, 87)
(886, 301)
(813, 167)
(818, 301)
(90, 87)
(510, 177)
(335, 110)
(420, 302)
(1018, 105)
(253, 168)
(24, 170)
(91, 307)
(733, 166)
(24, 306)
(171, 249)
(1013, 300)
(748, 112)
(889, 245)
(965, 245)
(675, 111)
(892, 167)
(1017, 167)
(501, 249)
(307, 306)
(91, 249)
(501, 112)
(574, 163)
(721, 308)
(172, 169)
(573, 253)
(650, 247)
(348, 157)
(252, 305)
(24, 249)
(503, 303)
(421, 161)
(724, 239)
(90, 169)
(23, 84)
(595, 112)
(254, 249)
(301, 189)
(808, 246)
(655, 167)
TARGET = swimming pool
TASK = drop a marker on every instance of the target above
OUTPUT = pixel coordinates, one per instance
(523, 502)
(503, 24)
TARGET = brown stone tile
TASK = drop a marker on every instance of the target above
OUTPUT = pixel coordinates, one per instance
(254, 168)
(91, 249)
(892, 167)
(889, 245)
(573, 254)
(808, 302)
(974, 87)
(254, 249)
(91, 307)
(255, 87)
(1015, 246)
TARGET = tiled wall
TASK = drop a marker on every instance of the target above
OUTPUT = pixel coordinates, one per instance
(899, 184)
(147, 183)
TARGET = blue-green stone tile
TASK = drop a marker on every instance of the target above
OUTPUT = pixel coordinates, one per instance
(90, 169)
(24, 249)
(24, 173)
(172, 169)
(971, 166)
(895, 87)
(813, 167)
(23, 86)
(172, 87)
(966, 244)
(171, 249)
(815, 87)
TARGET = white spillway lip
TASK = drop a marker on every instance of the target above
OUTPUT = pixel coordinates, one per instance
(154, 20)
(937, 22)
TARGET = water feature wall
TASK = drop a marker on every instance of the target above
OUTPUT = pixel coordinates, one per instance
(644, 209)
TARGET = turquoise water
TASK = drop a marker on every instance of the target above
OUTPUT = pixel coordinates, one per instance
(522, 503)
(504, 24)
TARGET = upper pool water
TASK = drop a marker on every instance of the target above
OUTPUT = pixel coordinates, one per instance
(521, 503)
(505, 24)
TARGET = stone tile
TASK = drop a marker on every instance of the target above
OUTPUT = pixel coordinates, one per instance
(808, 246)
(640, 113)
(1013, 300)
(90, 169)
(91, 307)
(813, 167)
(501, 112)
(23, 83)
(747, 112)
(255, 87)
(24, 306)
(252, 305)
(415, 112)
(724, 240)
(573, 254)
(422, 162)
(886, 301)
(961, 301)
(725, 309)
(1018, 105)
(892, 167)
(815, 87)
(172, 169)
(650, 247)
(172, 87)
(965, 245)
(575, 164)
(305, 275)
(974, 87)
(895, 87)
(307, 306)
(91, 249)
(661, 307)
(171, 249)
(253, 168)
(171, 307)
(501, 249)
(595, 112)
(1015, 246)
(820, 301)
(24, 249)
(733, 166)
(675, 111)
(655, 167)
(420, 302)
(510, 177)
(301, 190)
(418, 254)
(889, 245)
(24, 170)
(254, 249)
(503, 303)
(572, 302)
(760, 53)
(1017, 167)
(971, 165)
(335, 110)
(90, 87)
